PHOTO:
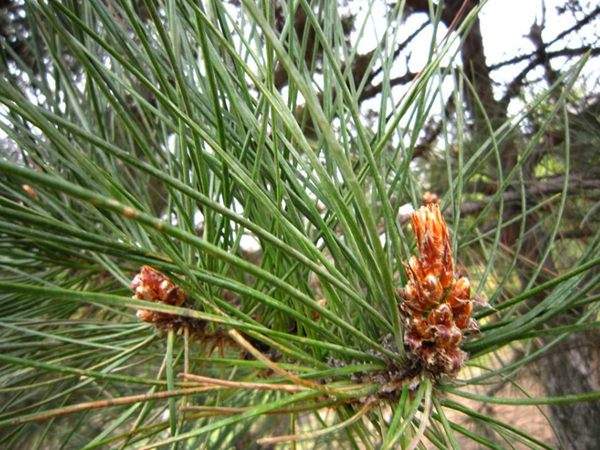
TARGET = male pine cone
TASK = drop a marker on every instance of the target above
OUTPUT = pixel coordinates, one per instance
(436, 304)
(154, 286)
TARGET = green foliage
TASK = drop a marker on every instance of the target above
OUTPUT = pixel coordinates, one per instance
(142, 119)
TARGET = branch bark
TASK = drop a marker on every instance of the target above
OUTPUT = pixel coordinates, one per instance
(553, 185)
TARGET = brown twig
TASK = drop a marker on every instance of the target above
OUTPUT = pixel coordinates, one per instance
(515, 85)
(549, 186)
(273, 366)
(243, 385)
(98, 404)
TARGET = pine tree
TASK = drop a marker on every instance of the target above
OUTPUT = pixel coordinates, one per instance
(203, 242)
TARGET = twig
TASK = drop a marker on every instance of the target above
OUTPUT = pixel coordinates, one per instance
(516, 83)
(98, 404)
(242, 384)
(273, 366)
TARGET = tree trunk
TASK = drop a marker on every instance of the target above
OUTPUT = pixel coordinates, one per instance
(569, 368)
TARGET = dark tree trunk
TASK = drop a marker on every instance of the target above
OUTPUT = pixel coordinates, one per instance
(572, 367)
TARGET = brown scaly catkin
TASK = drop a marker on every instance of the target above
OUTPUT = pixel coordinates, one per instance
(154, 286)
(436, 304)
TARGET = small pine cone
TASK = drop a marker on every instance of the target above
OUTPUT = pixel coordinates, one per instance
(150, 284)
(437, 306)
(154, 286)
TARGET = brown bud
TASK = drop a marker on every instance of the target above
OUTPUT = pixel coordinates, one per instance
(154, 286)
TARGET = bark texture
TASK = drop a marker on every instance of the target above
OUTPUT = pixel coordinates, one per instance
(572, 367)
